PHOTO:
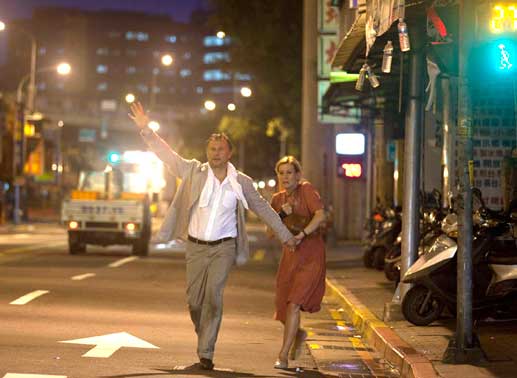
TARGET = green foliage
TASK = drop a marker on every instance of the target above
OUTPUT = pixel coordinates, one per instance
(266, 43)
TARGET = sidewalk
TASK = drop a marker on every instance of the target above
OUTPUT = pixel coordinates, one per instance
(414, 351)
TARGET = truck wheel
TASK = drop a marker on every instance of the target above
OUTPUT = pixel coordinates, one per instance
(75, 247)
(141, 247)
(421, 307)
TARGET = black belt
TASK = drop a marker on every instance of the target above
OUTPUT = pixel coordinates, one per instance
(204, 242)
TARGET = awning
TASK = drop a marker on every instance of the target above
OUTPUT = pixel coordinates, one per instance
(351, 46)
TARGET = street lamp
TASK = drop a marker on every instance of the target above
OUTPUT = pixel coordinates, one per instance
(246, 92)
(19, 146)
(130, 98)
(32, 75)
(209, 105)
(166, 60)
(153, 125)
(231, 107)
(220, 34)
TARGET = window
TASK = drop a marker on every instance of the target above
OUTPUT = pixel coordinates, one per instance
(102, 51)
(139, 36)
(60, 85)
(130, 52)
(142, 36)
(212, 40)
(170, 38)
(102, 69)
(187, 55)
(219, 90)
(214, 57)
(60, 51)
(216, 75)
(172, 90)
(199, 90)
(142, 88)
(42, 86)
(42, 51)
(102, 87)
(131, 70)
(185, 72)
(242, 77)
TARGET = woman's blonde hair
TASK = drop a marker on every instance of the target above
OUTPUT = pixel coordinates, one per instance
(289, 160)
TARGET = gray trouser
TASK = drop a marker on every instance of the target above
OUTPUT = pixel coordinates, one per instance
(207, 271)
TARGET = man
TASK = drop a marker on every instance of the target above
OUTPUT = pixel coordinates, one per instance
(208, 211)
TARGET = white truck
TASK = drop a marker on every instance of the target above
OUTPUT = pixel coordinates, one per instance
(113, 206)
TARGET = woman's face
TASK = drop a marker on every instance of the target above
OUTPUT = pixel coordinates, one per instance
(287, 176)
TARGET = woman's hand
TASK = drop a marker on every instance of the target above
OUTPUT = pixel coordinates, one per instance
(300, 236)
(287, 208)
(138, 115)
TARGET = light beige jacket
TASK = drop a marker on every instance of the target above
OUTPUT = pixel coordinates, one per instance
(193, 176)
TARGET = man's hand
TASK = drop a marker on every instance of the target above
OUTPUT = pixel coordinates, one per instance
(138, 115)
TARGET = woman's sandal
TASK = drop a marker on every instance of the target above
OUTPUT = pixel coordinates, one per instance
(279, 364)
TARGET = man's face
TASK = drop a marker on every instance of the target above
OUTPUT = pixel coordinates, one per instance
(218, 153)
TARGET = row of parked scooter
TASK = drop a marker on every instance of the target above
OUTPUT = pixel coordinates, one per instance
(433, 275)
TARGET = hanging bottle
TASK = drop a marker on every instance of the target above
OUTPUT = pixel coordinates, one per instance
(372, 78)
(403, 36)
(359, 85)
(387, 57)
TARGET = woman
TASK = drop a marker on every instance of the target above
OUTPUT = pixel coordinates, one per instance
(300, 282)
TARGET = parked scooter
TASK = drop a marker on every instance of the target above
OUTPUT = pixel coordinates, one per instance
(383, 238)
(494, 269)
(430, 224)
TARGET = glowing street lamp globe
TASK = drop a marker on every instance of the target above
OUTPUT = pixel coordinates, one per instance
(130, 98)
(246, 92)
(64, 68)
(153, 125)
(167, 60)
(209, 105)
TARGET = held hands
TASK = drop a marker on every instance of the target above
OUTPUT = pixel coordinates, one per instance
(292, 243)
(138, 115)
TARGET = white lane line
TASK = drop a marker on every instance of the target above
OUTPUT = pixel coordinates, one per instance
(15, 375)
(84, 276)
(29, 297)
(122, 261)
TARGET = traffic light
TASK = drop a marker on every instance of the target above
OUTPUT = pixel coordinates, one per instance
(114, 157)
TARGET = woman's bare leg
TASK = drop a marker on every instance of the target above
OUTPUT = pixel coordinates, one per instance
(291, 326)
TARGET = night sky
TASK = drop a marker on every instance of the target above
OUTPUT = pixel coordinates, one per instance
(179, 10)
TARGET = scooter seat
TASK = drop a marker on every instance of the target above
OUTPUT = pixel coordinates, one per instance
(502, 259)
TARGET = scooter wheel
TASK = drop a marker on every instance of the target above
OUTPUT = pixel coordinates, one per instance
(379, 254)
(368, 258)
(421, 307)
(391, 273)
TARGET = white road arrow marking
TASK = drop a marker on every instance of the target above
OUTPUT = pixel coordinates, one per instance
(14, 375)
(106, 345)
(122, 262)
(80, 277)
(29, 297)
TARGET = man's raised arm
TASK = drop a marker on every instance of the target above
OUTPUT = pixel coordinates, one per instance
(177, 165)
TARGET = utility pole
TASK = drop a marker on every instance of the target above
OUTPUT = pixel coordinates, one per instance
(464, 348)
(412, 162)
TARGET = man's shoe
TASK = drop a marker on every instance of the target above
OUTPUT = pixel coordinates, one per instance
(206, 364)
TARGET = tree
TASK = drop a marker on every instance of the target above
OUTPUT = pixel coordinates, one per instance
(266, 43)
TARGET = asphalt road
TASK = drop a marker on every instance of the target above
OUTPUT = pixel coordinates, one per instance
(103, 315)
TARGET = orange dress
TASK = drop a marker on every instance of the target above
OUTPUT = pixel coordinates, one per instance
(301, 274)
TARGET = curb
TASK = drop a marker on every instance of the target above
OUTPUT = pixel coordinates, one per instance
(381, 337)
